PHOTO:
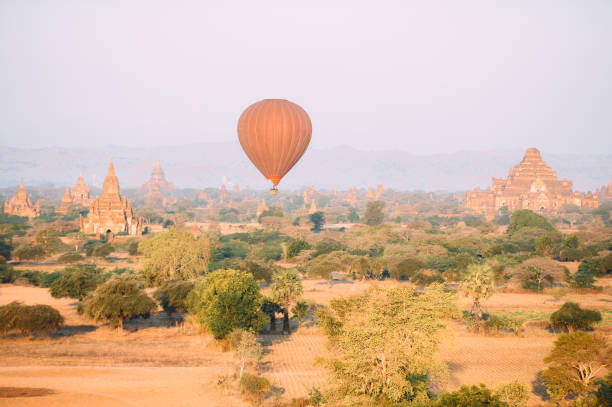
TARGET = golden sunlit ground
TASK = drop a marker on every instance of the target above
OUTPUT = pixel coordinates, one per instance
(156, 362)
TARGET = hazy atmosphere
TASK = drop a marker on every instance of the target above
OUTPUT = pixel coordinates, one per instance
(424, 77)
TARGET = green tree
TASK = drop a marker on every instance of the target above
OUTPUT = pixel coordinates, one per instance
(353, 216)
(300, 310)
(374, 213)
(75, 285)
(29, 319)
(117, 300)
(29, 253)
(571, 317)
(574, 363)
(286, 289)
(387, 341)
(571, 241)
(172, 295)
(173, 255)
(318, 220)
(581, 279)
(296, 246)
(327, 245)
(524, 218)
(225, 300)
(49, 240)
(470, 396)
(534, 278)
(271, 308)
(478, 284)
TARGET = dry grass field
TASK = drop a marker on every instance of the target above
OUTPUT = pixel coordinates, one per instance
(157, 362)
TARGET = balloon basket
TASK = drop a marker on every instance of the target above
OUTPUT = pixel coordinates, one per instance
(273, 191)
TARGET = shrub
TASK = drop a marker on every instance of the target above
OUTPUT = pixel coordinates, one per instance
(29, 253)
(526, 218)
(7, 274)
(48, 278)
(30, 277)
(427, 277)
(326, 246)
(571, 317)
(259, 271)
(73, 285)
(69, 257)
(102, 250)
(172, 295)
(254, 387)
(119, 299)
(374, 213)
(226, 300)
(474, 396)
(592, 265)
(29, 319)
(407, 268)
(296, 246)
(515, 393)
(581, 279)
(132, 247)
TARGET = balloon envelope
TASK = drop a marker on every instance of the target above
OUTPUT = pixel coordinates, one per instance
(274, 133)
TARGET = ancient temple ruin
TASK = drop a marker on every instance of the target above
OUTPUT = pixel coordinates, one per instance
(20, 204)
(530, 185)
(80, 192)
(109, 213)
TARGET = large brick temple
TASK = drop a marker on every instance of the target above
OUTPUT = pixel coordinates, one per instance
(109, 213)
(530, 185)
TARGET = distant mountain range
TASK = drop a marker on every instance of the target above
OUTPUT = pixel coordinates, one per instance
(209, 165)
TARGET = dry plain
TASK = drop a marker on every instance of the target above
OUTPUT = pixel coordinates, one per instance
(159, 362)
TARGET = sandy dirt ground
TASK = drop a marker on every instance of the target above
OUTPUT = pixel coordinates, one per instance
(159, 362)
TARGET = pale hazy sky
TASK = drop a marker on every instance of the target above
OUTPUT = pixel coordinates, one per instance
(426, 76)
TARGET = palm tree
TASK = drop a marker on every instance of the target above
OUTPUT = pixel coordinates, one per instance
(478, 284)
(286, 289)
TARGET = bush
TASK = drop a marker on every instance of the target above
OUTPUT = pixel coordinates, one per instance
(226, 300)
(296, 246)
(515, 393)
(495, 323)
(48, 279)
(29, 253)
(593, 265)
(7, 274)
(30, 277)
(119, 299)
(73, 285)
(326, 246)
(407, 268)
(473, 396)
(29, 319)
(571, 317)
(132, 247)
(69, 257)
(581, 279)
(259, 271)
(374, 213)
(253, 387)
(526, 218)
(172, 295)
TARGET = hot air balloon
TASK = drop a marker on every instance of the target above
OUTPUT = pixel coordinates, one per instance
(274, 133)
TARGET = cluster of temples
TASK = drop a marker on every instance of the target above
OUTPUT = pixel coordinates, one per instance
(20, 204)
(530, 185)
